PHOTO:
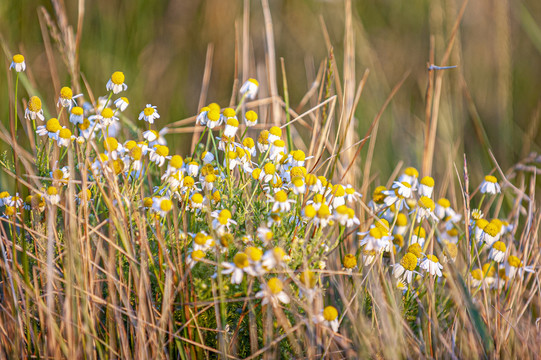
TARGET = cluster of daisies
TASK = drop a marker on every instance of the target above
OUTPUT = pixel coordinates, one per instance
(255, 209)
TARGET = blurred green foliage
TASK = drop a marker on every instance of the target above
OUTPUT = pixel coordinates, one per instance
(161, 47)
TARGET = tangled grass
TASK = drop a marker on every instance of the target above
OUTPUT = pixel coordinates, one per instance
(257, 243)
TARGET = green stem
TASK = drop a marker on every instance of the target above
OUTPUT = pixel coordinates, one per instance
(16, 101)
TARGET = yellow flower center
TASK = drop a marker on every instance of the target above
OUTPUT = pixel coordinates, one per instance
(147, 202)
(229, 113)
(52, 190)
(18, 59)
(310, 179)
(323, 212)
(248, 142)
(233, 122)
(275, 285)
(378, 194)
(398, 240)
(477, 274)
(269, 168)
(350, 261)
(76, 110)
(117, 78)
(298, 171)
(200, 239)
(411, 171)
(125, 99)
(514, 261)
(433, 258)
(280, 196)
(64, 133)
(136, 153)
(276, 131)
(489, 270)
(251, 116)
(241, 260)
(149, 111)
(481, 223)
(338, 190)
(451, 250)
(213, 115)
(103, 157)
(499, 245)
(107, 113)
(330, 313)
(189, 181)
(52, 125)
(309, 211)
(111, 144)
(162, 150)
(444, 203)
(427, 203)
(491, 179)
(34, 104)
(85, 125)
(415, 249)
(419, 232)
(176, 161)
(254, 253)
(58, 174)
(401, 220)
(383, 226)
(166, 204)
(254, 81)
(491, 229)
(297, 181)
(427, 181)
(409, 261)
(375, 233)
(66, 93)
(197, 198)
(214, 107)
(198, 255)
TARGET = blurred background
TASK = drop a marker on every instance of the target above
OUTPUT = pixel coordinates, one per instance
(490, 101)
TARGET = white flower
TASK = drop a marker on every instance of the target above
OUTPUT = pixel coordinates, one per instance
(497, 251)
(19, 64)
(122, 103)
(249, 88)
(280, 202)
(149, 114)
(250, 118)
(329, 318)
(34, 109)
(161, 205)
(405, 270)
(273, 293)
(67, 99)
(116, 83)
(432, 265)
(239, 266)
(490, 185)
(51, 129)
(159, 154)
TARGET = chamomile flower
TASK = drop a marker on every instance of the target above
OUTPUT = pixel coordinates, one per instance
(323, 216)
(497, 251)
(226, 142)
(478, 228)
(231, 127)
(83, 197)
(410, 176)
(491, 233)
(249, 145)
(275, 133)
(425, 209)
(105, 118)
(116, 83)
(514, 265)
(161, 205)
(51, 195)
(5, 197)
(273, 257)
(201, 118)
(280, 202)
(400, 191)
(202, 241)
(250, 118)
(401, 224)
(14, 201)
(426, 186)
(268, 172)
(122, 103)
(349, 263)
(264, 234)
(277, 149)
(308, 282)
(86, 129)
(346, 216)
(51, 129)
(442, 208)
(194, 257)
(196, 201)
(149, 114)
(329, 318)
(373, 240)
(263, 141)
(239, 266)
(405, 270)
(432, 265)
(249, 88)
(490, 185)
(64, 137)
(207, 157)
(213, 118)
(34, 109)
(351, 195)
(378, 199)
(18, 63)
(450, 236)
(67, 99)
(450, 252)
(273, 293)
(222, 220)
(76, 115)
(159, 154)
